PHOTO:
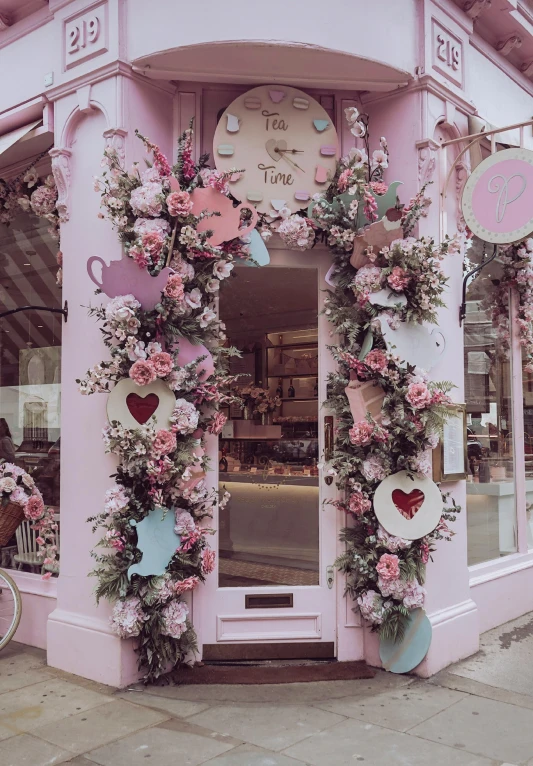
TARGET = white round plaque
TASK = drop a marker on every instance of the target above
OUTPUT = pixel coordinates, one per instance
(133, 406)
(407, 506)
(497, 196)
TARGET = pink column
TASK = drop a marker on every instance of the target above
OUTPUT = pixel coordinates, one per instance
(80, 640)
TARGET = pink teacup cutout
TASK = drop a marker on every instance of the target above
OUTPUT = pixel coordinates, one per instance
(124, 277)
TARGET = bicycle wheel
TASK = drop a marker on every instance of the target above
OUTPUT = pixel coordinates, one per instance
(10, 608)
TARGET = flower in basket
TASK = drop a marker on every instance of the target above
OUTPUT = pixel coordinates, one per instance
(16, 486)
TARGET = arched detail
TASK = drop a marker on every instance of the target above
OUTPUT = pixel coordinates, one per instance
(61, 155)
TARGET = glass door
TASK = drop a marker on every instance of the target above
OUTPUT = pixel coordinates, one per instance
(275, 537)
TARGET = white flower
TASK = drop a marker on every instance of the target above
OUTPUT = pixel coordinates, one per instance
(358, 156)
(351, 114)
(194, 298)
(285, 212)
(266, 234)
(24, 202)
(31, 177)
(358, 129)
(379, 157)
(222, 269)
(212, 286)
(206, 317)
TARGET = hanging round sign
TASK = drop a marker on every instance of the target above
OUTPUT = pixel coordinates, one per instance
(408, 506)
(497, 198)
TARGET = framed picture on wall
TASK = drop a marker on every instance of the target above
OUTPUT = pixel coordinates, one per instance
(450, 455)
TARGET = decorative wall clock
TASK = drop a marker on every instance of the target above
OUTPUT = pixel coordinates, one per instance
(285, 142)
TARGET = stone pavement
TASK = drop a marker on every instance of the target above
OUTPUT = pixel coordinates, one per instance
(477, 713)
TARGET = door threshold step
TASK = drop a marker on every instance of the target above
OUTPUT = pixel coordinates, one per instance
(272, 673)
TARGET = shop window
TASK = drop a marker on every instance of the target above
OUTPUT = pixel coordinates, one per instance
(527, 401)
(30, 370)
(490, 488)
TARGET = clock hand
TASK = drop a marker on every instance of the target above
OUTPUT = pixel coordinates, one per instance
(292, 151)
(293, 163)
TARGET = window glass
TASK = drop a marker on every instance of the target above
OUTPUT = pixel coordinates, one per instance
(30, 370)
(268, 451)
(490, 489)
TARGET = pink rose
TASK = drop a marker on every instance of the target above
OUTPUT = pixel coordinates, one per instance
(361, 433)
(208, 561)
(142, 372)
(174, 287)
(418, 395)
(378, 187)
(162, 363)
(164, 442)
(34, 508)
(179, 204)
(398, 279)
(388, 567)
(152, 243)
(217, 423)
(358, 503)
(376, 360)
(43, 200)
(188, 584)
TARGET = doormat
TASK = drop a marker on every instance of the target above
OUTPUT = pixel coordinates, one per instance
(273, 674)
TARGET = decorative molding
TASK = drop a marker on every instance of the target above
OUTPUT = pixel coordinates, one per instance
(429, 84)
(4, 22)
(474, 8)
(527, 69)
(115, 138)
(512, 72)
(84, 98)
(61, 171)
(506, 46)
(427, 159)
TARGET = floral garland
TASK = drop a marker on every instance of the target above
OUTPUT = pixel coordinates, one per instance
(17, 486)
(32, 194)
(517, 262)
(152, 210)
(161, 467)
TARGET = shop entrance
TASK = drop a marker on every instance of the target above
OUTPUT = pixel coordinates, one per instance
(274, 594)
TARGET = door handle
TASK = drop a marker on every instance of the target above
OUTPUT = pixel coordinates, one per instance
(328, 438)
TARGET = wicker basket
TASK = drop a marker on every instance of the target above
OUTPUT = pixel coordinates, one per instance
(11, 516)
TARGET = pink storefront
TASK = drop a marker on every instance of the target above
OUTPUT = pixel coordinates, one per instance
(80, 77)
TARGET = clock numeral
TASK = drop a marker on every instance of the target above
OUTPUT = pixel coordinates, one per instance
(225, 150)
(300, 103)
(321, 175)
(328, 150)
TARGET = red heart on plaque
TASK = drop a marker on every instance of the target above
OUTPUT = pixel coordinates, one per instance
(142, 408)
(408, 504)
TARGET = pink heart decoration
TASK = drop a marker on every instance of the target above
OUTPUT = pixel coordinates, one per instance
(408, 504)
(142, 408)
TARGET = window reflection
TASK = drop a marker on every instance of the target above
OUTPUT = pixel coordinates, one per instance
(491, 509)
(30, 370)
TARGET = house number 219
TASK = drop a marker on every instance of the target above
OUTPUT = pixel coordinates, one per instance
(448, 52)
(82, 34)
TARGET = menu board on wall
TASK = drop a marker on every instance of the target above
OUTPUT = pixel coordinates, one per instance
(449, 458)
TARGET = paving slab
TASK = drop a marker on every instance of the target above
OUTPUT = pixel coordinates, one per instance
(504, 654)
(11, 681)
(400, 709)
(352, 742)
(485, 727)
(175, 707)
(103, 724)
(273, 727)
(44, 703)
(448, 680)
(290, 694)
(248, 755)
(163, 747)
(25, 750)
